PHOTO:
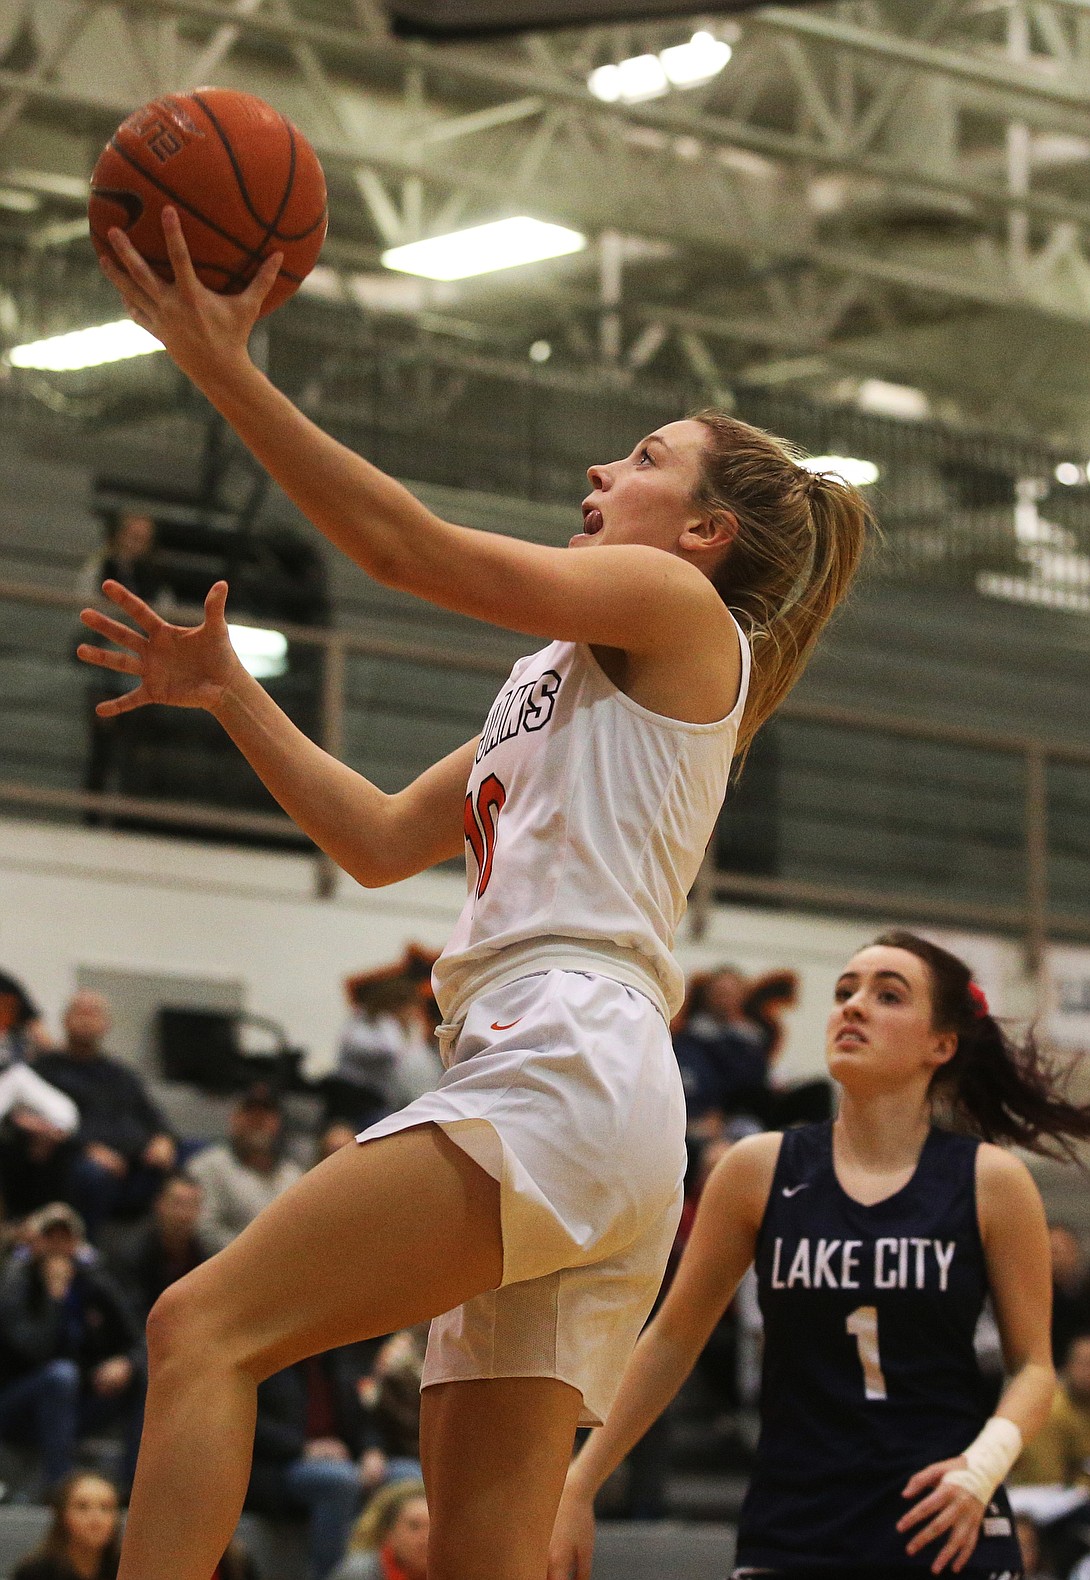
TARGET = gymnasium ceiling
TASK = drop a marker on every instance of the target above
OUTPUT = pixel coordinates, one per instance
(874, 189)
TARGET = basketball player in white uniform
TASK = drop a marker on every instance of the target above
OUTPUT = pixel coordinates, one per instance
(527, 1205)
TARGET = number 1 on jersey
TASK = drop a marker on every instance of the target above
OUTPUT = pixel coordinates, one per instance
(480, 826)
(862, 1324)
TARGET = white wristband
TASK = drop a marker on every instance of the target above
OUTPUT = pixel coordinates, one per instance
(988, 1458)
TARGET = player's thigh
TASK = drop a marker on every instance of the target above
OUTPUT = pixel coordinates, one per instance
(495, 1452)
(381, 1235)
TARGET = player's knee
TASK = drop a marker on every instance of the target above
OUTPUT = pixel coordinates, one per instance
(178, 1326)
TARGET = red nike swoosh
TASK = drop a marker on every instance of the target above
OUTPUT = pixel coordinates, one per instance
(497, 1027)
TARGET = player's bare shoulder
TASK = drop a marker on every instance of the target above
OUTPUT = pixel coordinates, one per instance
(1005, 1189)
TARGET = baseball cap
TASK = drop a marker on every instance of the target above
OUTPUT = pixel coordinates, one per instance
(56, 1215)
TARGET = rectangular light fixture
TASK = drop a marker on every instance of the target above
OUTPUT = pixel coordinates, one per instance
(502, 244)
(263, 653)
(85, 348)
(852, 469)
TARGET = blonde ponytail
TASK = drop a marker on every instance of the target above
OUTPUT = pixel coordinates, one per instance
(800, 538)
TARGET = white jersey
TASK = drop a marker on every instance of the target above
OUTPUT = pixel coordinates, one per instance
(586, 820)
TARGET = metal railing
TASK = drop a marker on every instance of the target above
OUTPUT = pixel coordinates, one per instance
(1034, 919)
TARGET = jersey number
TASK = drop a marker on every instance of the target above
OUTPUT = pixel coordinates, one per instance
(480, 826)
(862, 1324)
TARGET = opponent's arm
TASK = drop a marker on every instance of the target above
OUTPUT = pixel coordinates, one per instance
(634, 598)
(1014, 1233)
(720, 1249)
(377, 838)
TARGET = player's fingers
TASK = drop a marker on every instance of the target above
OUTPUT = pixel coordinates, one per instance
(123, 282)
(922, 1510)
(949, 1551)
(133, 606)
(115, 705)
(931, 1532)
(134, 265)
(178, 252)
(263, 281)
(215, 603)
(123, 663)
(924, 1478)
(113, 630)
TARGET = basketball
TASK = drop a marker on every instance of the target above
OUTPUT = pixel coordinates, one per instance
(244, 180)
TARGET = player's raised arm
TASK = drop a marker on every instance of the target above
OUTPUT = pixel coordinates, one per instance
(628, 596)
(719, 1251)
(377, 838)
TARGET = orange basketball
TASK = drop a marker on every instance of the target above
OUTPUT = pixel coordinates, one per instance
(244, 180)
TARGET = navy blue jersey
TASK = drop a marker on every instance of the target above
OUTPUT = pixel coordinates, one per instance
(869, 1370)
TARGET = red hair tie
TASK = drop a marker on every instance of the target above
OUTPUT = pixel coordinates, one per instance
(979, 1001)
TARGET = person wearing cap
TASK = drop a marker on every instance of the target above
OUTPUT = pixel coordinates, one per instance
(242, 1175)
(124, 1147)
(71, 1348)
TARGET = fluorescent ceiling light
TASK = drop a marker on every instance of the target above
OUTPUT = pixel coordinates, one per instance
(849, 468)
(263, 653)
(702, 58)
(649, 76)
(892, 400)
(85, 348)
(503, 244)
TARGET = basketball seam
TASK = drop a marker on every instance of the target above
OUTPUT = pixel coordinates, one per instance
(149, 175)
(270, 228)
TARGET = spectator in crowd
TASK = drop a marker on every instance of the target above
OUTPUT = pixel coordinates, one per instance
(163, 1247)
(390, 1538)
(307, 1447)
(71, 1348)
(1060, 1453)
(1070, 1290)
(83, 1541)
(124, 1147)
(1029, 1540)
(23, 1032)
(384, 1016)
(126, 555)
(337, 1134)
(242, 1175)
(390, 1397)
(35, 1117)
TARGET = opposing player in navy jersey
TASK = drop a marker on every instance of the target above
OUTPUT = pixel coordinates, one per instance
(527, 1205)
(876, 1239)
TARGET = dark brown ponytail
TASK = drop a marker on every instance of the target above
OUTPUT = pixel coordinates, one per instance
(994, 1087)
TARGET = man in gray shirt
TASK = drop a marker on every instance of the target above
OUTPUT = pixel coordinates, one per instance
(241, 1176)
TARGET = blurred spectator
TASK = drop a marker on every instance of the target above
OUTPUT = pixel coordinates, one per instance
(727, 1037)
(163, 1248)
(390, 1398)
(1029, 1540)
(71, 1348)
(243, 1175)
(1060, 1452)
(23, 1032)
(365, 1083)
(390, 1539)
(83, 1540)
(307, 1446)
(127, 555)
(337, 1134)
(124, 1147)
(1070, 1289)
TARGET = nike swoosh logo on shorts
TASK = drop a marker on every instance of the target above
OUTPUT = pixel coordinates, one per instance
(497, 1027)
(793, 1190)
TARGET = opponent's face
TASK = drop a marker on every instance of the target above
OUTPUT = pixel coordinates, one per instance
(649, 497)
(879, 1035)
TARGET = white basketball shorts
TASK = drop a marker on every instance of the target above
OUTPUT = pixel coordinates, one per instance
(563, 1086)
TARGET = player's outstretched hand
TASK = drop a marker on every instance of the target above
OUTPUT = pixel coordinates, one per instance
(201, 329)
(572, 1546)
(186, 666)
(946, 1511)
